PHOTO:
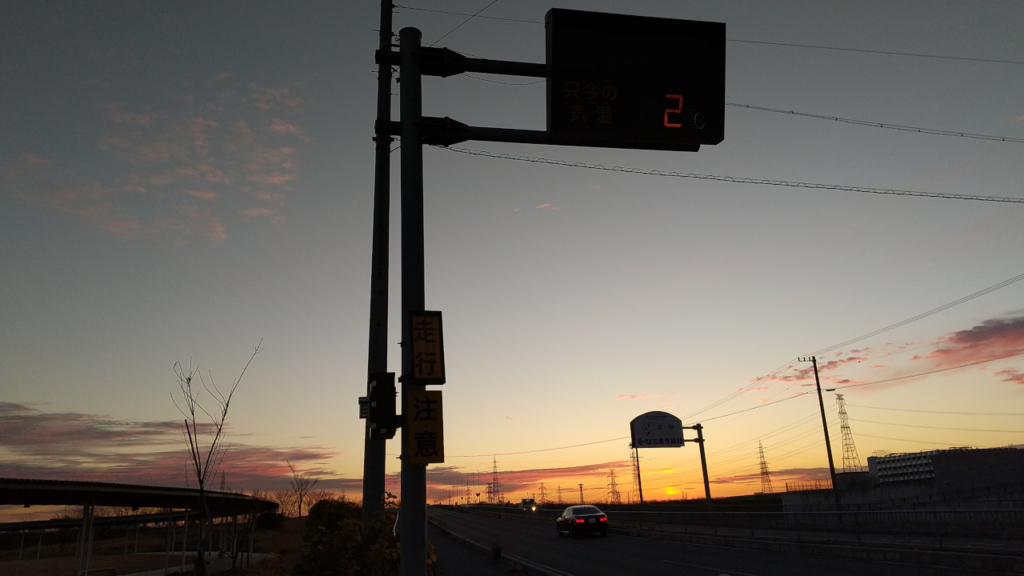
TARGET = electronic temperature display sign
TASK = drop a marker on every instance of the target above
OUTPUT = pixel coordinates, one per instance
(621, 81)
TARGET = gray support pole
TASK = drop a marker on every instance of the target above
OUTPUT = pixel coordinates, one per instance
(80, 552)
(413, 518)
(703, 463)
(39, 547)
(373, 449)
(184, 539)
(170, 542)
(88, 549)
(639, 482)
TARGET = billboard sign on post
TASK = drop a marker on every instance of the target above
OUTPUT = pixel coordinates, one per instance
(656, 430)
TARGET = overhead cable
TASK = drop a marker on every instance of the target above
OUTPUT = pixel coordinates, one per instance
(731, 179)
(922, 315)
(859, 421)
(901, 127)
(765, 42)
(940, 411)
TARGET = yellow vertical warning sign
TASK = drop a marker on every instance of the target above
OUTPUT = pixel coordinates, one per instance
(425, 427)
(427, 348)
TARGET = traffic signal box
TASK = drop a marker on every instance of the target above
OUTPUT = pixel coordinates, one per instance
(635, 82)
(383, 420)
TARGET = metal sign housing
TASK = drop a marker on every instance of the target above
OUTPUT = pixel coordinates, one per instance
(656, 430)
(652, 83)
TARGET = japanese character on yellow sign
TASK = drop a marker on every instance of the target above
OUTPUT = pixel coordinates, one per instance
(424, 437)
(427, 348)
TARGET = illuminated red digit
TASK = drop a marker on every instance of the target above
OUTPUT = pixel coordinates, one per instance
(676, 110)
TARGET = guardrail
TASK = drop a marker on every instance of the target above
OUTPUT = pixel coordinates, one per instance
(1004, 522)
(996, 522)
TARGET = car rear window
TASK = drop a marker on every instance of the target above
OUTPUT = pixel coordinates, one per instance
(586, 510)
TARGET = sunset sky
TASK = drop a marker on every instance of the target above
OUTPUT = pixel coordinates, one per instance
(179, 181)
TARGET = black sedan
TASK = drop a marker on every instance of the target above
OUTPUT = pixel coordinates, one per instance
(583, 519)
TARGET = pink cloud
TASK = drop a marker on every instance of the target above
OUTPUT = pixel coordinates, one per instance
(196, 131)
(255, 212)
(267, 98)
(32, 159)
(92, 447)
(806, 372)
(992, 339)
(193, 222)
(202, 194)
(268, 196)
(274, 177)
(282, 127)
(631, 396)
(1012, 375)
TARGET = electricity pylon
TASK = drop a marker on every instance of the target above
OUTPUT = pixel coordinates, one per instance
(613, 489)
(851, 460)
(766, 479)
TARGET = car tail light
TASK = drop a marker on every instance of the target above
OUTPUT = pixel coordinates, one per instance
(602, 519)
(580, 520)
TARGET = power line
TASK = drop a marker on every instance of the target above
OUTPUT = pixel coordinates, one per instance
(731, 179)
(755, 407)
(848, 386)
(922, 315)
(886, 52)
(941, 411)
(477, 15)
(933, 131)
(541, 449)
(471, 16)
(940, 427)
(907, 440)
(765, 42)
(743, 390)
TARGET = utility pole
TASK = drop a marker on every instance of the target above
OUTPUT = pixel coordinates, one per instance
(377, 362)
(413, 518)
(581, 493)
(824, 425)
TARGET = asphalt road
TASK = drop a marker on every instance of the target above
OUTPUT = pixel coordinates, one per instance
(617, 555)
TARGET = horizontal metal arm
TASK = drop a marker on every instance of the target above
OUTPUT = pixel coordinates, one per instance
(445, 132)
(444, 62)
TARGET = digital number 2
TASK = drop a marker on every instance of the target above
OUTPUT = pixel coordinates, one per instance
(676, 110)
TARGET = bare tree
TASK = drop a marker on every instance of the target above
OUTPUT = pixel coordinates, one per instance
(301, 483)
(205, 456)
(285, 501)
(317, 495)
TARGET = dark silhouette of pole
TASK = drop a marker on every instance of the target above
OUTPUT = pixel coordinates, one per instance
(703, 464)
(377, 362)
(824, 425)
(413, 517)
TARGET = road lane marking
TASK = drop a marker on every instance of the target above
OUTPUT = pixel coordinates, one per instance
(721, 571)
